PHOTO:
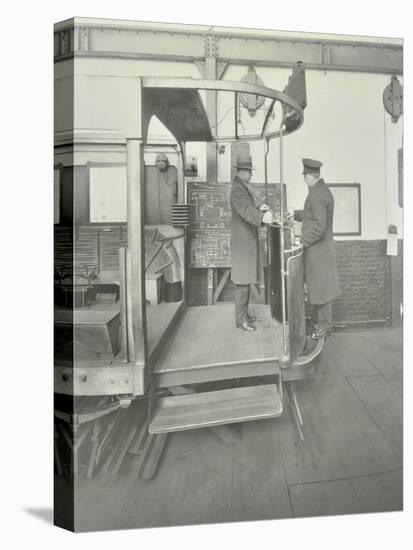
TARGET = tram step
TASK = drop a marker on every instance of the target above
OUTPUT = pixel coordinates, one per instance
(201, 410)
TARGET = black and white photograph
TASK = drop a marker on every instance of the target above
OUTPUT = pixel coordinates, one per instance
(226, 275)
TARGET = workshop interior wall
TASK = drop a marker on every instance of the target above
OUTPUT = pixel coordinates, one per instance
(345, 126)
(364, 272)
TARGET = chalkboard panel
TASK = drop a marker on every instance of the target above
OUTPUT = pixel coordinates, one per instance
(209, 205)
(210, 221)
(210, 248)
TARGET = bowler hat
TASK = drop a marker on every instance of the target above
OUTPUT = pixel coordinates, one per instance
(244, 162)
(311, 166)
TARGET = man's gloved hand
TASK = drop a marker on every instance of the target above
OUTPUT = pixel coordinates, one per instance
(264, 208)
(267, 218)
(289, 214)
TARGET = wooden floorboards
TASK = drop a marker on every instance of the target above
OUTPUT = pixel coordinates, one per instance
(216, 340)
(350, 462)
(158, 318)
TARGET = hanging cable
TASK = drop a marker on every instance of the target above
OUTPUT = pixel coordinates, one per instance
(219, 122)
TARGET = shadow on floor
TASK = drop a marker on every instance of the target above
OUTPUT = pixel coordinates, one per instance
(44, 514)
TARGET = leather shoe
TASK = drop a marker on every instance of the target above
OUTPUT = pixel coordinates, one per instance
(320, 334)
(246, 326)
(253, 319)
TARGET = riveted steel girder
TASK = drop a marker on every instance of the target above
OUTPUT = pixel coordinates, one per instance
(96, 39)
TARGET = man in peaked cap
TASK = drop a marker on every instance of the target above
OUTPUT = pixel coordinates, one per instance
(311, 166)
(320, 269)
(246, 218)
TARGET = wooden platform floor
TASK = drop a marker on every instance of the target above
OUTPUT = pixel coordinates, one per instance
(351, 460)
(158, 318)
(215, 339)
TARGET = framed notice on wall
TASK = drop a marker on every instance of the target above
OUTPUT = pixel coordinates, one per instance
(107, 193)
(347, 208)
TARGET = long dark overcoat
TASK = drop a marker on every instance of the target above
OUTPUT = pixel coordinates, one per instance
(245, 221)
(320, 269)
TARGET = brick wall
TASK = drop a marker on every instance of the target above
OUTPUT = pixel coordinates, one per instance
(364, 272)
(365, 280)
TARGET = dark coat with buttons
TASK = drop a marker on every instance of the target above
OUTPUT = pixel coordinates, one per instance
(320, 269)
(245, 221)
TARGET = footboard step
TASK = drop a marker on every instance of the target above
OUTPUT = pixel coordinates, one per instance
(201, 410)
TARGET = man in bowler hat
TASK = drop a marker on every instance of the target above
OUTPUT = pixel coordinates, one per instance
(246, 218)
(320, 269)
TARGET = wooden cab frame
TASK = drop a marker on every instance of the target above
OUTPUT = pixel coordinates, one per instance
(178, 105)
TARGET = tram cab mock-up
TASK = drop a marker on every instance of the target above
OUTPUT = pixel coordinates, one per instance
(123, 328)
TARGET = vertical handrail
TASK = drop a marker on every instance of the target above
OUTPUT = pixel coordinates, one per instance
(182, 147)
(267, 296)
(266, 170)
(285, 359)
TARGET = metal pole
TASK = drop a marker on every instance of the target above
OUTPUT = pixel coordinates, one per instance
(267, 289)
(285, 358)
(266, 170)
(123, 303)
(136, 253)
(182, 148)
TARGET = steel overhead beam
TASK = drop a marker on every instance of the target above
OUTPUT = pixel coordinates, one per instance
(317, 54)
(134, 42)
(128, 43)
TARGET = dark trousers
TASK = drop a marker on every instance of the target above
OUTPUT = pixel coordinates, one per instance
(242, 297)
(323, 317)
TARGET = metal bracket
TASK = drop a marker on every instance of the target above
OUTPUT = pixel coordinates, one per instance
(325, 55)
(64, 42)
(210, 45)
(84, 39)
(393, 99)
(200, 65)
(221, 67)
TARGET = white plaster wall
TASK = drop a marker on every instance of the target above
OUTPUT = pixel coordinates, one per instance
(345, 126)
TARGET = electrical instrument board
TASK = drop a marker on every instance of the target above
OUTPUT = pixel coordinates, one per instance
(210, 221)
